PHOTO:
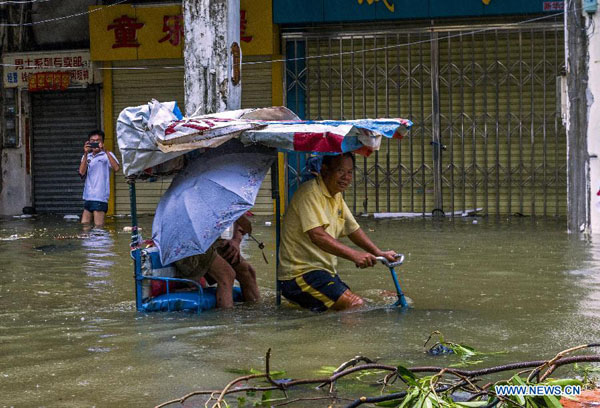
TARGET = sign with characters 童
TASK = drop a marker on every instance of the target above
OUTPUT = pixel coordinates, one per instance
(56, 69)
(129, 32)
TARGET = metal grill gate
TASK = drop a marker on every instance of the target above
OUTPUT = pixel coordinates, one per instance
(485, 104)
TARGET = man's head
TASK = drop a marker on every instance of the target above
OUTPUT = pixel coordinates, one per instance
(96, 136)
(337, 172)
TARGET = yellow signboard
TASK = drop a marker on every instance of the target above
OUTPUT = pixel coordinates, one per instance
(128, 32)
(258, 35)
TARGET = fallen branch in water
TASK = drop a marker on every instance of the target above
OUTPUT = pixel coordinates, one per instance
(436, 388)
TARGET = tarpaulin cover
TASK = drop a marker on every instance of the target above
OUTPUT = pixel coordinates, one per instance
(152, 134)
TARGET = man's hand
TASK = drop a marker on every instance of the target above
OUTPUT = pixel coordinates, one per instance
(232, 252)
(86, 147)
(363, 259)
(389, 255)
(244, 223)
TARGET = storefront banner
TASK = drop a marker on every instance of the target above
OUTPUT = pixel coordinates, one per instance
(129, 32)
(336, 11)
(19, 67)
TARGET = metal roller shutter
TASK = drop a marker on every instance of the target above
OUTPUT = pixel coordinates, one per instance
(61, 122)
(256, 93)
(498, 115)
(133, 87)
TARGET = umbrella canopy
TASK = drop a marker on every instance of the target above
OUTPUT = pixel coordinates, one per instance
(209, 195)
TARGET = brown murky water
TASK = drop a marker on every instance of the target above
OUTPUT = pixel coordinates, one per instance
(70, 335)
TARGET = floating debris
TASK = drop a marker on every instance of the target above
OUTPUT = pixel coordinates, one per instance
(15, 237)
(55, 248)
(129, 229)
(74, 236)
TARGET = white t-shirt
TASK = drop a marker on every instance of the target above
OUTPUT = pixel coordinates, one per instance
(97, 179)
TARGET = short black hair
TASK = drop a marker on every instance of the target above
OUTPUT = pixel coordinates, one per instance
(327, 160)
(96, 132)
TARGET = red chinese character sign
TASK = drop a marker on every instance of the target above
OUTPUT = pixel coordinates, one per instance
(49, 81)
(173, 26)
(243, 27)
(125, 29)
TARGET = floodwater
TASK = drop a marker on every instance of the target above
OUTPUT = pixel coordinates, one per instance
(70, 335)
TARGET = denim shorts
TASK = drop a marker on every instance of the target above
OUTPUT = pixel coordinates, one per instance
(92, 206)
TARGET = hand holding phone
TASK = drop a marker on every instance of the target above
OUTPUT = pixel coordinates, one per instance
(94, 145)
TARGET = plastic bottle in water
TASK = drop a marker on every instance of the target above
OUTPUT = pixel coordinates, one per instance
(228, 233)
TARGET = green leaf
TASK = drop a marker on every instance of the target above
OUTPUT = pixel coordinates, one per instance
(466, 363)
(471, 404)
(407, 375)
(462, 349)
(552, 401)
(520, 399)
(517, 380)
(326, 370)
(266, 395)
(410, 397)
(565, 381)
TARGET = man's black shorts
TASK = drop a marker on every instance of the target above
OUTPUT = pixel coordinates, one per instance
(92, 206)
(316, 290)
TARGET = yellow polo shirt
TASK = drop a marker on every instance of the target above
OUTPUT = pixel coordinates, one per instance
(312, 206)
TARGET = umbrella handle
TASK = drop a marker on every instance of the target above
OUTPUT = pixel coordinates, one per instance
(399, 257)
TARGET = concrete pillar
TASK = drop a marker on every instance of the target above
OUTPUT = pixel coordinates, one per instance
(212, 55)
(593, 128)
(578, 100)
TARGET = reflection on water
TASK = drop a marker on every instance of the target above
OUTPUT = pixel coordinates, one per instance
(70, 335)
(99, 256)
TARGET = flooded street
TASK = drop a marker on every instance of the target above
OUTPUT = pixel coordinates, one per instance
(70, 335)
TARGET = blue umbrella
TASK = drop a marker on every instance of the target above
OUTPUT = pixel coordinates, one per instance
(215, 189)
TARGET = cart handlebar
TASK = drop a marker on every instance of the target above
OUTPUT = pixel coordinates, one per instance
(399, 257)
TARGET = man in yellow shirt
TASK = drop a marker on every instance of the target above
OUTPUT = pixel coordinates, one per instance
(317, 217)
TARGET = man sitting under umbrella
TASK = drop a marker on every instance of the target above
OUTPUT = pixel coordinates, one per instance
(316, 218)
(223, 263)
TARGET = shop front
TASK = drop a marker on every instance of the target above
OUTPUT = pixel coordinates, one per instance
(479, 79)
(142, 51)
(54, 101)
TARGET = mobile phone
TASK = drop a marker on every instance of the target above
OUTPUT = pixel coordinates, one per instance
(94, 145)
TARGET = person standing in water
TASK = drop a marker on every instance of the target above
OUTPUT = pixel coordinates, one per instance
(94, 168)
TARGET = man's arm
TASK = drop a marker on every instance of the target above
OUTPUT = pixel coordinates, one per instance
(112, 161)
(362, 240)
(83, 165)
(329, 244)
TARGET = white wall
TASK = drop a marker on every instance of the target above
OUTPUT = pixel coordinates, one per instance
(16, 184)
